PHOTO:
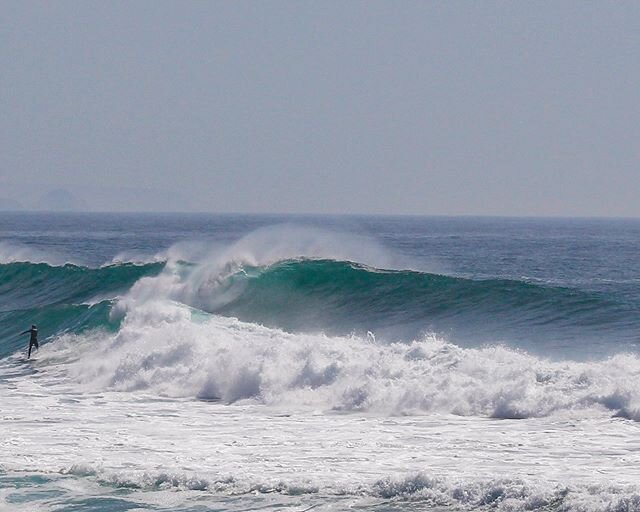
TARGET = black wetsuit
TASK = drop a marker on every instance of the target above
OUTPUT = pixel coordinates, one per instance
(33, 341)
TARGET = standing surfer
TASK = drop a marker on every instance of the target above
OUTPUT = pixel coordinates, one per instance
(33, 341)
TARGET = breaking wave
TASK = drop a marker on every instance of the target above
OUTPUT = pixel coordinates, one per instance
(171, 350)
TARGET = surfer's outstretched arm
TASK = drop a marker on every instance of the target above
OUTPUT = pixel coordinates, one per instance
(25, 332)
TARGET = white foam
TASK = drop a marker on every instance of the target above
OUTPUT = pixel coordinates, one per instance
(310, 415)
(162, 350)
(427, 489)
(136, 441)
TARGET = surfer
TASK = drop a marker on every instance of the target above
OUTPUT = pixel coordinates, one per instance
(33, 341)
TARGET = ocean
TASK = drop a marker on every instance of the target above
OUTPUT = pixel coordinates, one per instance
(193, 362)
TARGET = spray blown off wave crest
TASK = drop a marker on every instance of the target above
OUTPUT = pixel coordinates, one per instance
(171, 350)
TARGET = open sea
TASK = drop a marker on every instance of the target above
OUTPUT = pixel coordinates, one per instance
(296, 363)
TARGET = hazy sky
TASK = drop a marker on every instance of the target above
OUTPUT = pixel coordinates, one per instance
(508, 108)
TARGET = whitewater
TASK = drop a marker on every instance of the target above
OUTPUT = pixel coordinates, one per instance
(296, 363)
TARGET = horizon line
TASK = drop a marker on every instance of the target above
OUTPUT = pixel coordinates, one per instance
(323, 214)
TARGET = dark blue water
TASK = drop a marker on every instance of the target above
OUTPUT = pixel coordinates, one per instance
(562, 287)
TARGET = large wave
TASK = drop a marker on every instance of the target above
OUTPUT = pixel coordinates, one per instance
(305, 295)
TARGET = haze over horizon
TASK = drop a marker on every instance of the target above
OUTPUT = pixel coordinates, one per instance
(297, 107)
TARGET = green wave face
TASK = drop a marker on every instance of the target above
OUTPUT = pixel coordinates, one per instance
(59, 299)
(342, 297)
(29, 285)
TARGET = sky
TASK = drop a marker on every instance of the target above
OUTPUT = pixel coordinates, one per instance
(427, 108)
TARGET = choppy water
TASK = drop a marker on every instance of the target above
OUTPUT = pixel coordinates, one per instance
(193, 362)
